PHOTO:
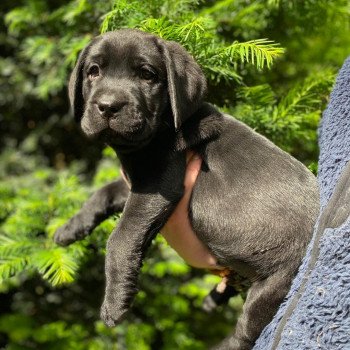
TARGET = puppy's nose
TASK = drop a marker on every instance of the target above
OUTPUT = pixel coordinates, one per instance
(108, 108)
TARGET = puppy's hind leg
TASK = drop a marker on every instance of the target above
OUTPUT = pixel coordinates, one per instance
(263, 300)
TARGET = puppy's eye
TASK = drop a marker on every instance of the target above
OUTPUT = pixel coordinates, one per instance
(93, 72)
(147, 74)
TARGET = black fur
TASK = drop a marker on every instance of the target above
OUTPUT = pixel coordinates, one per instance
(253, 205)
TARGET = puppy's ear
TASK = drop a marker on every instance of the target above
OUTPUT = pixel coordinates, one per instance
(75, 86)
(186, 81)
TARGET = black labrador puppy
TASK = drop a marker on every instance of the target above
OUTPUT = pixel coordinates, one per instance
(253, 205)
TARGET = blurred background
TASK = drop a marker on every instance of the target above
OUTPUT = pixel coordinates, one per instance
(269, 63)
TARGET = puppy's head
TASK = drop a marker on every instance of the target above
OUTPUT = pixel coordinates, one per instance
(128, 84)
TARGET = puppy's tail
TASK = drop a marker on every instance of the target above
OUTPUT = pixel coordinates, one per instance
(231, 285)
(219, 295)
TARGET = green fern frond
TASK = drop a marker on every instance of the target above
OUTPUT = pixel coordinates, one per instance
(73, 47)
(28, 219)
(127, 14)
(259, 95)
(43, 200)
(291, 120)
(11, 266)
(218, 73)
(259, 52)
(189, 33)
(194, 30)
(67, 195)
(305, 97)
(197, 34)
(56, 265)
(158, 26)
(117, 17)
(15, 247)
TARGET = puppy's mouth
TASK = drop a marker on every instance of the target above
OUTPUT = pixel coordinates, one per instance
(125, 127)
(126, 139)
(125, 134)
(127, 131)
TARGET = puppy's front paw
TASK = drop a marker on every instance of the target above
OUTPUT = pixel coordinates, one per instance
(112, 314)
(72, 231)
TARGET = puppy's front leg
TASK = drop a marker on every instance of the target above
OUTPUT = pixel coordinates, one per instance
(143, 217)
(106, 201)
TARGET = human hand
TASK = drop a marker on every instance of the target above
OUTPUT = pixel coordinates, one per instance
(178, 231)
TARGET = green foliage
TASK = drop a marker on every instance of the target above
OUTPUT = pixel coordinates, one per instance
(257, 52)
(37, 206)
(290, 122)
(43, 51)
(57, 335)
(291, 119)
(33, 203)
(270, 63)
(175, 21)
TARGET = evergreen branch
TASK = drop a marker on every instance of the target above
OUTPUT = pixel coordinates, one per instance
(304, 97)
(123, 10)
(194, 29)
(191, 31)
(11, 247)
(294, 118)
(11, 266)
(218, 73)
(259, 95)
(56, 265)
(159, 26)
(257, 52)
